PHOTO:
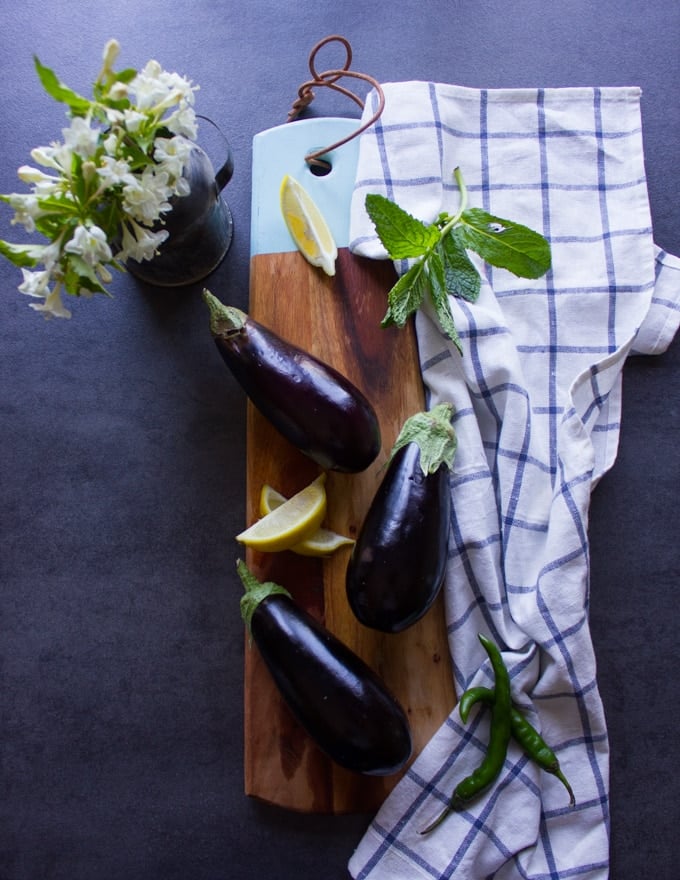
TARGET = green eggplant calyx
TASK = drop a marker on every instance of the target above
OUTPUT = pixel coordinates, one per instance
(224, 320)
(255, 591)
(434, 434)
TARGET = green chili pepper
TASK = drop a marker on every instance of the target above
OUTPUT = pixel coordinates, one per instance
(489, 770)
(526, 735)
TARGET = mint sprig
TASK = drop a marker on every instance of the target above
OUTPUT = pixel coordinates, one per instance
(441, 264)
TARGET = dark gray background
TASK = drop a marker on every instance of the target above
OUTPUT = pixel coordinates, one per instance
(122, 443)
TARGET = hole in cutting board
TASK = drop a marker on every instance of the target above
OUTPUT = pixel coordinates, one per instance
(321, 166)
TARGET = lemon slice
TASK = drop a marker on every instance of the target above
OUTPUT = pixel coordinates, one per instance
(290, 523)
(307, 225)
(322, 543)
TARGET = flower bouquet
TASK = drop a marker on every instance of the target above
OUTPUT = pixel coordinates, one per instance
(99, 196)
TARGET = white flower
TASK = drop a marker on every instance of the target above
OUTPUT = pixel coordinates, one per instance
(133, 120)
(114, 171)
(183, 121)
(114, 116)
(176, 82)
(81, 138)
(147, 198)
(172, 154)
(49, 255)
(182, 187)
(58, 156)
(110, 144)
(155, 89)
(89, 242)
(139, 243)
(53, 307)
(147, 86)
(35, 283)
(27, 210)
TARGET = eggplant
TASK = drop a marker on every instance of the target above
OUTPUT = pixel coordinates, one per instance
(344, 706)
(314, 406)
(398, 562)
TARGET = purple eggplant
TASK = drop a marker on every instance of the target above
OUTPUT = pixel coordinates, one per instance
(310, 403)
(399, 560)
(344, 706)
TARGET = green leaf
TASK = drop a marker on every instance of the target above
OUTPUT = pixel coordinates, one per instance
(126, 75)
(135, 155)
(504, 244)
(406, 296)
(440, 299)
(78, 183)
(79, 275)
(22, 255)
(402, 235)
(57, 90)
(434, 434)
(58, 205)
(462, 278)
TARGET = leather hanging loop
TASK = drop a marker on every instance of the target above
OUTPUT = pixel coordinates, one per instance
(329, 79)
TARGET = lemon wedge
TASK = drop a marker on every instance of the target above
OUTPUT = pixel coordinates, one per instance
(307, 225)
(322, 543)
(290, 523)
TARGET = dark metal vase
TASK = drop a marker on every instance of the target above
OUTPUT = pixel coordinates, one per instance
(200, 227)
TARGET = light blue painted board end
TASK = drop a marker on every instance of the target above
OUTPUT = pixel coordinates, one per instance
(282, 150)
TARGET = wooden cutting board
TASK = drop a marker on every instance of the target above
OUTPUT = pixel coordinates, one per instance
(338, 320)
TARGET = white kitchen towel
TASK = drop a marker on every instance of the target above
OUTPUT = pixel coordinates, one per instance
(537, 393)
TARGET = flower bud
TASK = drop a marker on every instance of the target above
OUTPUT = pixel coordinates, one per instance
(111, 51)
(118, 91)
(29, 174)
(89, 170)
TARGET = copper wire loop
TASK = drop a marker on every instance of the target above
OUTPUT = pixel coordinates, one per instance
(329, 79)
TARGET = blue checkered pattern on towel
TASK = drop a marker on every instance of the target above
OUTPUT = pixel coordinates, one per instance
(537, 393)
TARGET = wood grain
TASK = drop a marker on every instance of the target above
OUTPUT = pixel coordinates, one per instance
(338, 320)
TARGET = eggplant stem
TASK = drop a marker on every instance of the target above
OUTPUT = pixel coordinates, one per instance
(224, 320)
(434, 434)
(255, 591)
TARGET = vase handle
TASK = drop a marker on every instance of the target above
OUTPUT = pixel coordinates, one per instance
(225, 173)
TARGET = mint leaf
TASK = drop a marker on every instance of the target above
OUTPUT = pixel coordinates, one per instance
(406, 296)
(504, 244)
(462, 279)
(57, 90)
(402, 235)
(440, 298)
